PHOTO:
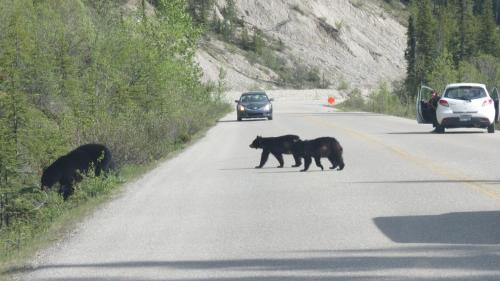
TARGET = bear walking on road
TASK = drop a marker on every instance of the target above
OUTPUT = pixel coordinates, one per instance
(67, 169)
(277, 146)
(325, 147)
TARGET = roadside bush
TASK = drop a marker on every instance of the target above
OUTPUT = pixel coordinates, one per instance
(381, 100)
(75, 72)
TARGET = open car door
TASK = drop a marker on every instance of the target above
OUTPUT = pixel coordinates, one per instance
(424, 110)
(495, 97)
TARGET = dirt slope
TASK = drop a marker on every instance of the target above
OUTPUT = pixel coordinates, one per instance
(354, 42)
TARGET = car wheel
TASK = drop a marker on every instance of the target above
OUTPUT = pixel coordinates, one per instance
(270, 117)
(491, 128)
(239, 118)
(440, 129)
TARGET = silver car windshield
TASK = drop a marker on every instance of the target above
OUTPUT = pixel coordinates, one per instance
(465, 93)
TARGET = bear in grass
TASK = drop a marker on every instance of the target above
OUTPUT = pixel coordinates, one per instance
(325, 147)
(68, 169)
(277, 146)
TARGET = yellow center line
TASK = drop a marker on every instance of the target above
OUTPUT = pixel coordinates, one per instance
(422, 162)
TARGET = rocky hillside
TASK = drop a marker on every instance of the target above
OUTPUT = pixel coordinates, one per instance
(345, 43)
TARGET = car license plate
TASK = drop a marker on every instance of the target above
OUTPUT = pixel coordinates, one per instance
(465, 117)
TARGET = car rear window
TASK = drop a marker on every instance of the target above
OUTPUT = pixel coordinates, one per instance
(465, 93)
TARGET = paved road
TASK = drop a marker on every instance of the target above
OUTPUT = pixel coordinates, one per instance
(409, 205)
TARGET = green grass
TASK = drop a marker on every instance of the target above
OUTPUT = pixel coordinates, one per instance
(64, 216)
(381, 100)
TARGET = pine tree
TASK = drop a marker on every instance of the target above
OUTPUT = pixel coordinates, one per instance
(245, 39)
(230, 11)
(487, 41)
(410, 56)
(467, 30)
(200, 10)
(258, 42)
(425, 46)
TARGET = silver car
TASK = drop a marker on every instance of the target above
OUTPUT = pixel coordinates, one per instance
(254, 105)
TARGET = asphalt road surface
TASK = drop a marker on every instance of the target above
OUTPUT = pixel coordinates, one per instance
(409, 205)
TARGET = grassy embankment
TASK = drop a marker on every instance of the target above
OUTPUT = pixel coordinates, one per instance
(84, 71)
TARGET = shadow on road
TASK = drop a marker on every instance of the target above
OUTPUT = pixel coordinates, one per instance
(434, 133)
(427, 181)
(469, 228)
(355, 265)
(244, 120)
(302, 277)
(351, 114)
(246, 168)
(294, 171)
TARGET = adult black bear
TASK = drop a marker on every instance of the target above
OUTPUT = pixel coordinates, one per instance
(67, 169)
(317, 148)
(277, 146)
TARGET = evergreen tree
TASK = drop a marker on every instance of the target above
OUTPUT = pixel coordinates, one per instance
(467, 30)
(230, 12)
(446, 26)
(258, 43)
(245, 39)
(425, 45)
(200, 10)
(410, 56)
(487, 42)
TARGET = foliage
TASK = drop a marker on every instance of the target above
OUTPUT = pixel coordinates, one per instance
(452, 41)
(384, 99)
(74, 72)
(443, 72)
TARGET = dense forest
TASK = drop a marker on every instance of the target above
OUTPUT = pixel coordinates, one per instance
(453, 41)
(91, 71)
(448, 41)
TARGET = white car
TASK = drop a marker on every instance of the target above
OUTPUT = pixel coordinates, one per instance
(461, 105)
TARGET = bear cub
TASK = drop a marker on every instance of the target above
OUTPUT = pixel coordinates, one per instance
(325, 147)
(277, 146)
(67, 169)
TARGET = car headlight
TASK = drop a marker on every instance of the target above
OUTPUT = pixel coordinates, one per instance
(241, 108)
(267, 107)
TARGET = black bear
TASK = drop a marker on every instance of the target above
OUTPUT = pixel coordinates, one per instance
(277, 146)
(67, 169)
(317, 148)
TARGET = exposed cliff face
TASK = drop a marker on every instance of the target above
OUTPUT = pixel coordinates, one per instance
(348, 41)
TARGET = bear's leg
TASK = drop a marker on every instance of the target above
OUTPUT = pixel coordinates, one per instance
(66, 190)
(263, 158)
(279, 157)
(97, 171)
(333, 161)
(298, 160)
(307, 162)
(317, 159)
(340, 160)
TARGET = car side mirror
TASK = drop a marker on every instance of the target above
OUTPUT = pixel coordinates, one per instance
(236, 101)
(271, 99)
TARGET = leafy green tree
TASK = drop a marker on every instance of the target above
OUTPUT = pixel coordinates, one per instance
(444, 72)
